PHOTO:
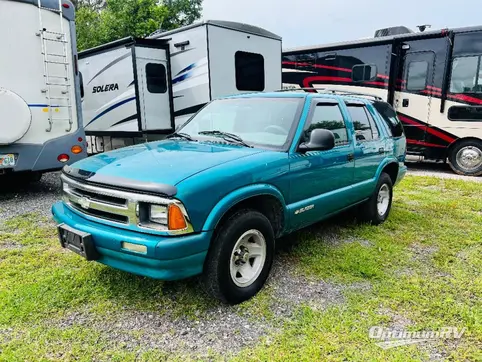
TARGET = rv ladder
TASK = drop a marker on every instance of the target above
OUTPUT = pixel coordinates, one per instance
(61, 69)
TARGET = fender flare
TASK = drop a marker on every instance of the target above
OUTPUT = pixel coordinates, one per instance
(237, 196)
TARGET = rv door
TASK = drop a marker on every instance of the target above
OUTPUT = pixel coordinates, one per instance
(413, 95)
(154, 89)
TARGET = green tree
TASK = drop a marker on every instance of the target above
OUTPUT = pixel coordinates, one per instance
(100, 22)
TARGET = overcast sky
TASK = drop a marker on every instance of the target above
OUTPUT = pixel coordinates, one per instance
(309, 22)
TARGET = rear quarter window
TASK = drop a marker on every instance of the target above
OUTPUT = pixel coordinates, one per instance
(390, 118)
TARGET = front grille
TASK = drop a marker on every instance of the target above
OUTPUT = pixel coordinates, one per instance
(98, 197)
(101, 214)
(106, 204)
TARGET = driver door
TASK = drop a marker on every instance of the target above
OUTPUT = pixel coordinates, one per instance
(320, 180)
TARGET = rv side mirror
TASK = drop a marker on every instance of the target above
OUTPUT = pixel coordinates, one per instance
(320, 140)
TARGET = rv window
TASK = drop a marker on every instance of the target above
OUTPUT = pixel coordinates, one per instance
(81, 80)
(466, 75)
(365, 130)
(156, 78)
(328, 116)
(390, 118)
(364, 72)
(249, 71)
(465, 113)
(417, 75)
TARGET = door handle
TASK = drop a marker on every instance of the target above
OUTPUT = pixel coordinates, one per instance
(405, 102)
(350, 157)
(381, 150)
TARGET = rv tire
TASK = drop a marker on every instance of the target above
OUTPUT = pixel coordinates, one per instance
(465, 157)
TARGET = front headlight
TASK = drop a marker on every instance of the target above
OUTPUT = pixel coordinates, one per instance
(172, 218)
(158, 214)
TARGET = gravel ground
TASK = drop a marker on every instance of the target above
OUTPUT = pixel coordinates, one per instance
(439, 170)
(34, 198)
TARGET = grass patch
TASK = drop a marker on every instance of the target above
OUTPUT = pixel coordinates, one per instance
(423, 267)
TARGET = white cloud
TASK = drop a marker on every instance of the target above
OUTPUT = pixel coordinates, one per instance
(308, 22)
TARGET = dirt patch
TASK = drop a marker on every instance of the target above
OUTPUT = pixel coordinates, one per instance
(422, 253)
(10, 245)
(290, 290)
(397, 321)
(220, 330)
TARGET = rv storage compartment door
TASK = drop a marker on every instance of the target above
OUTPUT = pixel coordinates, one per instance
(154, 89)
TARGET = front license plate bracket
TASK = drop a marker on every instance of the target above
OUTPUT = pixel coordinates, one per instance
(77, 241)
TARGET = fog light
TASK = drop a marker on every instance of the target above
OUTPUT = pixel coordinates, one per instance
(76, 150)
(63, 158)
(136, 248)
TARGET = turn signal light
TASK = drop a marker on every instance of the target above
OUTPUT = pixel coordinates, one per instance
(176, 220)
(76, 150)
(63, 158)
(66, 5)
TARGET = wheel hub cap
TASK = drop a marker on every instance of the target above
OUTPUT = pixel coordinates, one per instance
(469, 158)
(383, 199)
(247, 258)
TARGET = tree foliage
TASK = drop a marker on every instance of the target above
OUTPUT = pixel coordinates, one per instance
(99, 22)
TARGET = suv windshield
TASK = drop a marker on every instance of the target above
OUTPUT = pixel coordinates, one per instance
(259, 122)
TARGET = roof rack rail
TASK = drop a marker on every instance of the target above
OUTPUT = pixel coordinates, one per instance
(331, 91)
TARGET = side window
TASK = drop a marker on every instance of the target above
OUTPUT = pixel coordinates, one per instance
(373, 124)
(365, 128)
(466, 75)
(417, 75)
(390, 118)
(156, 78)
(249, 71)
(328, 116)
(465, 113)
(364, 72)
(81, 80)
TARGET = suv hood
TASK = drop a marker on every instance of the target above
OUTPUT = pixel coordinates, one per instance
(164, 162)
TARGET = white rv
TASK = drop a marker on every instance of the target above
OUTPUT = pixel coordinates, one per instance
(40, 124)
(137, 89)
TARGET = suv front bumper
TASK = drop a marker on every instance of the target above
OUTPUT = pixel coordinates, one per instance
(167, 258)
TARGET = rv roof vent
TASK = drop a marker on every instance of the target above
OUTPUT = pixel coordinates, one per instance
(395, 30)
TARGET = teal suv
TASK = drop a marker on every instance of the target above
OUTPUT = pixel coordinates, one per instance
(213, 198)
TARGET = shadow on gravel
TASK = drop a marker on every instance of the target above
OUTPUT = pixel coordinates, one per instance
(17, 198)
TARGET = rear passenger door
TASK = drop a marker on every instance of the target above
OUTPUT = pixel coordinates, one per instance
(369, 142)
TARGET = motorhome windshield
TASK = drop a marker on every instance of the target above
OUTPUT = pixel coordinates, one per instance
(259, 122)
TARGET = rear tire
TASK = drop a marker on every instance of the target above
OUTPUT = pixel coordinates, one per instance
(465, 158)
(240, 258)
(377, 208)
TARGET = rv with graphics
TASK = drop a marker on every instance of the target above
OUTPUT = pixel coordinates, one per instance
(433, 80)
(40, 115)
(142, 89)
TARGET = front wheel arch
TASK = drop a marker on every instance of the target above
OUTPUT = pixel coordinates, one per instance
(239, 197)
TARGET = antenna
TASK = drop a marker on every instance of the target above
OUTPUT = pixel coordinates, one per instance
(423, 27)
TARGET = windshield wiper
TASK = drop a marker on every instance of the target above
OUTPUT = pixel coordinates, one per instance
(184, 136)
(227, 136)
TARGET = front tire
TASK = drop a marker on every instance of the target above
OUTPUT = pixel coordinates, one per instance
(240, 258)
(465, 158)
(377, 208)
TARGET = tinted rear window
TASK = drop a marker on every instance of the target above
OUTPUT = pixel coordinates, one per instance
(390, 118)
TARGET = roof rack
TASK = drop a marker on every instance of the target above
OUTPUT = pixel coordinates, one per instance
(331, 91)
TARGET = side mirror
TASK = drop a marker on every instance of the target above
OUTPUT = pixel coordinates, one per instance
(320, 140)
